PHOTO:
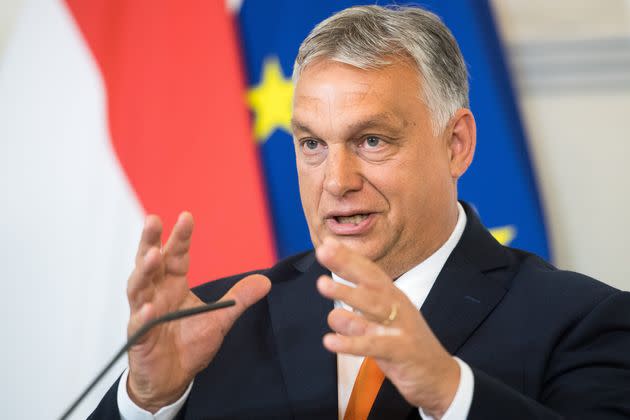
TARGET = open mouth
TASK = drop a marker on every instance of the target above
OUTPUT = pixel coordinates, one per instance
(355, 219)
(351, 224)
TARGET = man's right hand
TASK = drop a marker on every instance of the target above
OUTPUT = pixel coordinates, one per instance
(164, 362)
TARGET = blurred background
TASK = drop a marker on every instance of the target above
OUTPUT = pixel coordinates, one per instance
(111, 109)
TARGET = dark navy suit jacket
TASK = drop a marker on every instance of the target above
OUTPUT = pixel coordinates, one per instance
(542, 343)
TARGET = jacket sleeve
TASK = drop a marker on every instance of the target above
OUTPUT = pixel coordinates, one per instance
(107, 409)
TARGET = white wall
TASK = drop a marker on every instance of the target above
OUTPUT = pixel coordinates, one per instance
(571, 65)
(8, 12)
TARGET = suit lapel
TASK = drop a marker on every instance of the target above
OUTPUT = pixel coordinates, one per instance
(466, 291)
(298, 315)
(468, 297)
(469, 286)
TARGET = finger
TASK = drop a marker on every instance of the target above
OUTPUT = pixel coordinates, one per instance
(376, 305)
(350, 265)
(140, 287)
(380, 342)
(176, 250)
(179, 241)
(150, 237)
(245, 293)
(347, 323)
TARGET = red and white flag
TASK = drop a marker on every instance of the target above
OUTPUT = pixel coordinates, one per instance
(111, 109)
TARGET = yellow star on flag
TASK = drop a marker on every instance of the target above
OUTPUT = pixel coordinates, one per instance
(504, 234)
(271, 101)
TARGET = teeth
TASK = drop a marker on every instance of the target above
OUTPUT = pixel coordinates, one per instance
(356, 219)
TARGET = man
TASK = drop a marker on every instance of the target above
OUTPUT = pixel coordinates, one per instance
(382, 133)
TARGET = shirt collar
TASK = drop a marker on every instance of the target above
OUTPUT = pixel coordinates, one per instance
(417, 282)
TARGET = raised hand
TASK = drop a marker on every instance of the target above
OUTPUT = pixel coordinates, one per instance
(388, 328)
(166, 359)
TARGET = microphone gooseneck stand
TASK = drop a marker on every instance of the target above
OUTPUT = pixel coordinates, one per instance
(171, 316)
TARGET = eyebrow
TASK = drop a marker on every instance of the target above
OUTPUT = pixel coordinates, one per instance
(299, 126)
(381, 120)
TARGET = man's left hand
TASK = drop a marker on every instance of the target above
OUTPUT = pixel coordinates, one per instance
(388, 328)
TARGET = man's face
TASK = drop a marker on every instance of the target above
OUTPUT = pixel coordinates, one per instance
(372, 174)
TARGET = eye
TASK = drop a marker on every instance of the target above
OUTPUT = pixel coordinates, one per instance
(372, 142)
(311, 144)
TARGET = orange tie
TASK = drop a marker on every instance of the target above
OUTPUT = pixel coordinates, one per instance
(364, 391)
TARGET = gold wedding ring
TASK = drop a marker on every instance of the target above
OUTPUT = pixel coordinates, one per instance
(392, 315)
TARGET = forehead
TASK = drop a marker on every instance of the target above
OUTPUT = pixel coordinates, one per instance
(338, 90)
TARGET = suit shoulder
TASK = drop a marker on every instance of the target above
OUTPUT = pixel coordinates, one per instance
(214, 289)
(550, 283)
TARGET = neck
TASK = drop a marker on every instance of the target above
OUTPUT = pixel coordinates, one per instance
(423, 247)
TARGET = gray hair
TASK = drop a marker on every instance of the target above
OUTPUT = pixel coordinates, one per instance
(368, 37)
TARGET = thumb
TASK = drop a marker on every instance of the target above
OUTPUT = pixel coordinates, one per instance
(245, 293)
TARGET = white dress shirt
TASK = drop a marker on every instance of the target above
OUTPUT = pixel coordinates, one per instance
(415, 283)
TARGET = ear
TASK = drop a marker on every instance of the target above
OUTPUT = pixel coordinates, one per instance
(461, 142)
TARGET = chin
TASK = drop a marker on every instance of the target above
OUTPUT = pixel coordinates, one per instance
(361, 246)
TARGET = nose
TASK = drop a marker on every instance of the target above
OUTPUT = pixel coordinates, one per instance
(342, 172)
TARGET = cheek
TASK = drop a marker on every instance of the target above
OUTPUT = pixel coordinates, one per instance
(310, 195)
(309, 190)
(410, 187)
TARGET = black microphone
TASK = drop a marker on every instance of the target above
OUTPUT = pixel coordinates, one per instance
(171, 316)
